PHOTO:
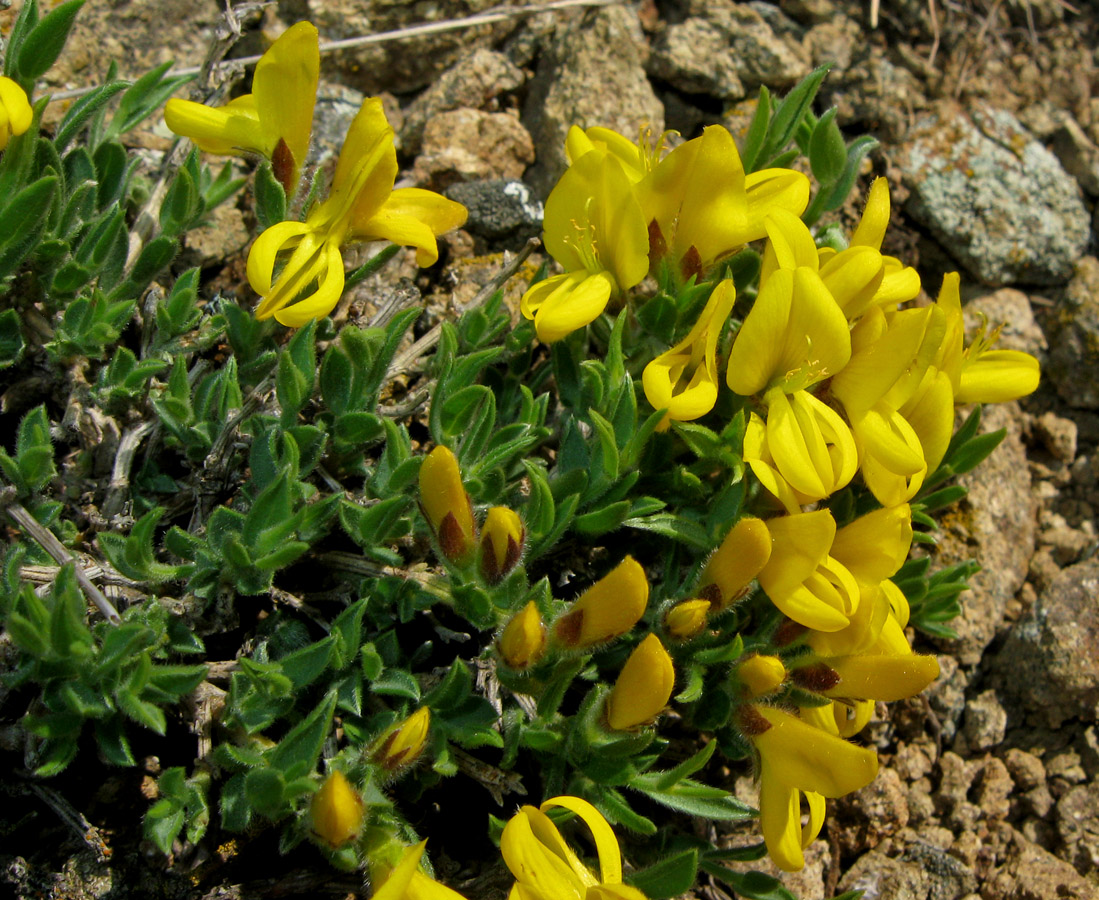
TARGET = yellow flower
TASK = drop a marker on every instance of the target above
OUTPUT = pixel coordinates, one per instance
(740, 558)
(545, 866)
(275, 120)
(593, 226)
(979, 374)
(523, 641)
(802, 579)
(643, 688)
(501, 543)
(761, 674)
(405, 881)
(401, 746)
(796, 758)
(361, 206)
(686, 619)
(609, 608)
(16, 114)
(704, 207)
(683, 380)
(336, 810)
(447, 506)
(637, 159)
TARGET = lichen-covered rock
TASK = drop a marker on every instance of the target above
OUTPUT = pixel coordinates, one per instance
(921, 872)
(1048, 667)
(475, 81)
(592, 73)
(1031, 873)
(502, 211)
(468, 145)
(1073, 331)
(995, 198)
(695, 57)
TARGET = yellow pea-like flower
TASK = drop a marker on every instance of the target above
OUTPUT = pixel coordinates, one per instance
(643, 688)
(16, 114)
(761, 674)
(275, 120)
(447, 505)
(523, 641)
(609, 608)
(336, 810)
(740, 558)
(501, 543)
(405, 881)
(686, 619)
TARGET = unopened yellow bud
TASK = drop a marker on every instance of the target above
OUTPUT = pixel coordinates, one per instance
(524, 639)
(610, 607)
(446, 505)
(16, 114)
(501, 543)
(761, 674)
(643, 688)
(739, 559)
(686, 619)
(336, 810)
(404, 743)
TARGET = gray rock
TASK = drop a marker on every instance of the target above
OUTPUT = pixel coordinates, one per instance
(475, 81)
(1073, 331)
(695, 57)
(1059, 435)
(1048, 667)
(996, 199)
(985, 721)
(922, 872)
(995, 524)
(470, 145)
(582, 81)
(505, 212)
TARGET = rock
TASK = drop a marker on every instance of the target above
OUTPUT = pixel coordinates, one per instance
(992, 789)
(1031, 873)
(995, 524)
(410, 63)
(471, 145)
(1026, 769)
(475, 81)
(1077, 154)
(336, 107)
(946, 695)
(996, 199)
(224, 235)
(1078, 825)
(1059, 436)
(695, 57)
(834, 41)
(1008, 310)
(1073, 332)
(871, 814)
(563, 92)
(922, 872)
(952, 799)
(985, 722)
(503, 212)
(1049, 663)
(875, 94)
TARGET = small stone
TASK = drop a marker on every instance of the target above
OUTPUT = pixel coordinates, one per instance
(1058, 435)
(503, 212)
(1009, 311)
(1026, 769)
(219, 239)
(1038, 801)
(475, 82)
(1031, 873)
(1073, 331)
(873, 813)
(1077, 153)
(1048, 667)
(992, 789)
(996, 199)
(985, 721)
(471, 145)
(695, 57)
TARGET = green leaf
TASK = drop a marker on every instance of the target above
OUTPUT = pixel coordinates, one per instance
(827, 150)
(693, 798)
(751, 885)
(396, 683)
(84, 109)
(270, 197)
(112, 741)
(671, 877)
(686, 768)
(298, 752)
(44, 43)
(757, 131)
(675, 527)
(24, 24)
(306, 665)
(263, 789)
(144, 97)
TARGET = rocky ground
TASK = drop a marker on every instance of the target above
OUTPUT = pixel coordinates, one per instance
(988, 117)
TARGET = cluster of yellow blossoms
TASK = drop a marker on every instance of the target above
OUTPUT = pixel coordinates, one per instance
(297, 267)
(842, 380)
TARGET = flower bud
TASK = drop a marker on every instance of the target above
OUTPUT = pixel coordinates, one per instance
(446, 505)
(404, 743)
(739, 559)
(643, 687)
(686, 619)
(16, 114)
(336, 810)
(761, 674)
(501, 543)
(524, 639)
(610, 607)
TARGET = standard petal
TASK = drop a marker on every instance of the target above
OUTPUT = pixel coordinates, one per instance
(606, 844)
(854, 278)
(542, 871)
(285, 90)
(755, 358)
(367, 166)
(773, 189)
(396, 883)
